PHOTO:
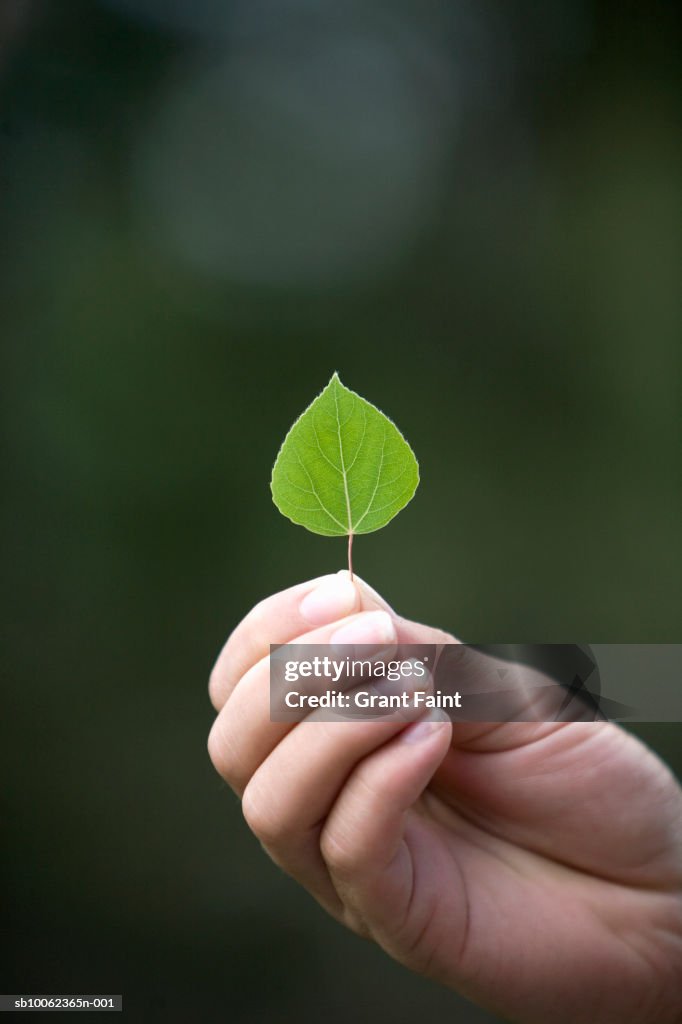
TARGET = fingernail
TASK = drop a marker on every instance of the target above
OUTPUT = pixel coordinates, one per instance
(425, 727)
(367, 628)
(332, 599)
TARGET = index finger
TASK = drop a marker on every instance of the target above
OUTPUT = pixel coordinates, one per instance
(282, 617)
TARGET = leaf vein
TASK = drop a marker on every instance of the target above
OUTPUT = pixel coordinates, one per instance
(304, 490)
(376, 486)
(362, 440)
(388, 483)
(388, 504)
(343, 466)
(322, 504)
(325, 457)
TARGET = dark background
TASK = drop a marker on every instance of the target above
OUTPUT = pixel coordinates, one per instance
(470, 210)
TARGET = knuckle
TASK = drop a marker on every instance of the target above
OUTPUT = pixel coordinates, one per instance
(215, 687)
(259, 819)
(222, 755)
(355, 921)
(343, 858)
(215, 750)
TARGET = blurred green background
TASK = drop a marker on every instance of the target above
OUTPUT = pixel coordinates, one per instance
(470, 210)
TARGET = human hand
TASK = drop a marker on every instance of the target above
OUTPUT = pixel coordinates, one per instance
(534, 867)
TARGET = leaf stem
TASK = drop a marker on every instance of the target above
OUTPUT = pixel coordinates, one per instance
(350, 555)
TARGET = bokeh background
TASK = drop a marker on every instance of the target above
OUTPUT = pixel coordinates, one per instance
(470, 209)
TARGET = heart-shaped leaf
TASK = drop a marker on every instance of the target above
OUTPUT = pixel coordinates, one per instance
(344, 467)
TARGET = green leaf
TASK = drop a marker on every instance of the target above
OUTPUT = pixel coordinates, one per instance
(344, 467)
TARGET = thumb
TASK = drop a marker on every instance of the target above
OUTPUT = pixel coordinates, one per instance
(368, 841)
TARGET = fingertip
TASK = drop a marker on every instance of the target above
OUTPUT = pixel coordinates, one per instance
(333, 597)
(435, 724)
